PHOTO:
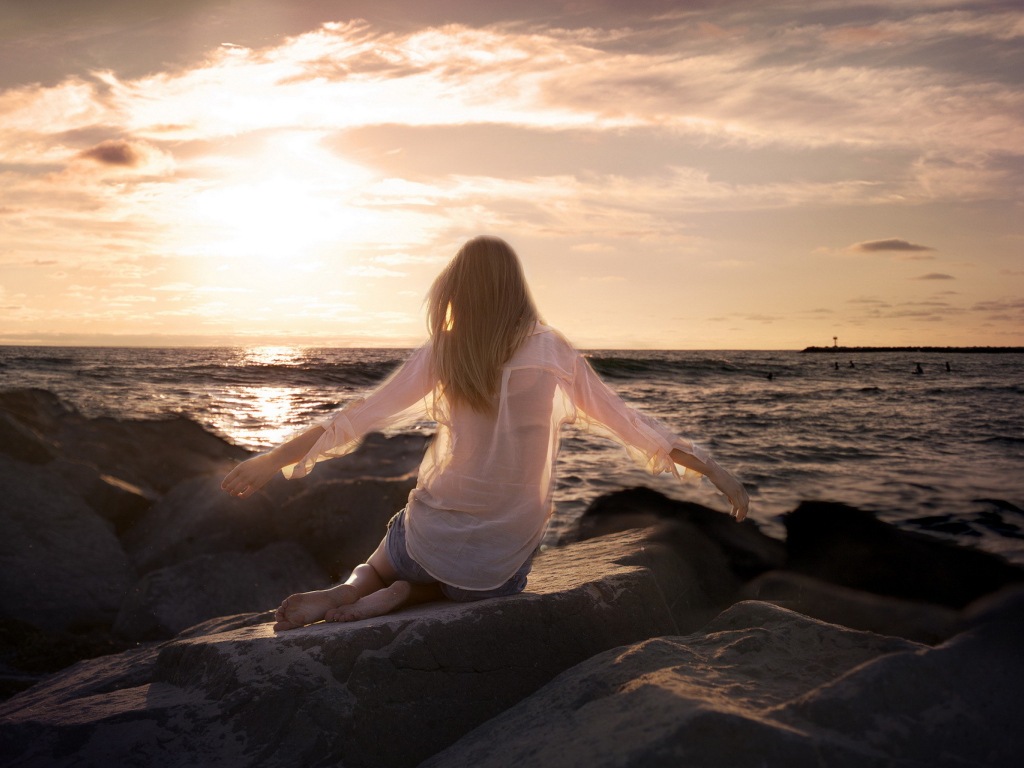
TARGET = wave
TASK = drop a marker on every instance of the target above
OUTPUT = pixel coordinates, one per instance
(628, 367)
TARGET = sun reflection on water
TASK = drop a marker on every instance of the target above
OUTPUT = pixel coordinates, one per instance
(260, 417)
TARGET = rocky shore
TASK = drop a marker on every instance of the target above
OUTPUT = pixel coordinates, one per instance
(135, 598)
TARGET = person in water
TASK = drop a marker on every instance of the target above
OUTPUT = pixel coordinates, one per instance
(918, 370)
(500, 384)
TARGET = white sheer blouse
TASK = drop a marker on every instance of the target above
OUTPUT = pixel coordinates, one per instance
(484, 493)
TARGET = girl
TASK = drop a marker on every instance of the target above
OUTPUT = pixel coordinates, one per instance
(499, 384)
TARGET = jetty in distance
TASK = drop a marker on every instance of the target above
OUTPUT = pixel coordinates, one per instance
(941, 350)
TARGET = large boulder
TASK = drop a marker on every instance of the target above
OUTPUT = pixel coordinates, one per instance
(151, 454)
(748, 551)
(378, 455)
(171, 599)
(342, 521)
(852, 548)
(60, 563)
(198, 518)
(20, 442)
(121, 503)
(765, 686)
(920, 622)
(389, 691)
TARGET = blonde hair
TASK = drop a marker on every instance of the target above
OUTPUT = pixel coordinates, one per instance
(479, 310)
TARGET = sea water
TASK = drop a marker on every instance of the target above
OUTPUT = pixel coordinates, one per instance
(941, 451)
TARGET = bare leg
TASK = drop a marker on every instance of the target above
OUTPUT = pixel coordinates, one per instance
(308, 607)
(386, 600)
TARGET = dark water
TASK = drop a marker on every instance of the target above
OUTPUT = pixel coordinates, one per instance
(875, 435)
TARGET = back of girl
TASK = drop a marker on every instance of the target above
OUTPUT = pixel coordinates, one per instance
(500, 384)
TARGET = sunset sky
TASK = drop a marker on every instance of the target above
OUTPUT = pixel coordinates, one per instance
(705, 175)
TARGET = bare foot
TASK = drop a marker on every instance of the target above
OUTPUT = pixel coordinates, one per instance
(309, 607)
(376, 604)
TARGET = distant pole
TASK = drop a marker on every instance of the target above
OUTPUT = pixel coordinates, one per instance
(835, 342)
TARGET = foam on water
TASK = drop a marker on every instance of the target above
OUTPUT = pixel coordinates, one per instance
(874, 435)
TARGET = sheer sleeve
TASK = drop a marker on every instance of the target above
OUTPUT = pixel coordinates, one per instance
(403, 398)
(648, 442)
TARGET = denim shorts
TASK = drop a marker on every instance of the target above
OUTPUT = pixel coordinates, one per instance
(411, 571)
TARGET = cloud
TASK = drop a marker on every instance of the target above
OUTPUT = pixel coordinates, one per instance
(374, 272)
(933, 276)
(891, 244)
(119, 152)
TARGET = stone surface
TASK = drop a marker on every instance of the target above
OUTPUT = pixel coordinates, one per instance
(60, 563)
(166, 601)
(920, 622)
(766, 686)
(748, 551)
(341, 522)
(377, 456)
(198, 518)
(389, 691)
(22, 443)
(121, 503)
(153, 455)
(852, 548)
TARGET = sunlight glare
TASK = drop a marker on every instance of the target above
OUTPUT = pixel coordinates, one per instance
(295, 204)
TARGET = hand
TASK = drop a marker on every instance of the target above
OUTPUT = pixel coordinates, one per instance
(733, 490)
(249, 476)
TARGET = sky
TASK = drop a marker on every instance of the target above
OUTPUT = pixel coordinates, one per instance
(674, 175)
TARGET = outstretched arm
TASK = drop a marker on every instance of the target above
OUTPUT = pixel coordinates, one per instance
(252, 474)
(646, 438)
(725, 482)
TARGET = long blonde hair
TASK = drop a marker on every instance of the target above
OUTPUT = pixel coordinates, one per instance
(479, 310)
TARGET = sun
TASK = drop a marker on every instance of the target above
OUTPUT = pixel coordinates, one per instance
(289, 201)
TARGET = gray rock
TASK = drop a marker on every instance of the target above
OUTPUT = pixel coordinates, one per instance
(921, 622)
(377, 456)
(151, 454)
(60, 563)
(389, 691)
(23, 443)
(120, 502)
(852, 548)
(198, 518)
(749, 551)
(341, 522)
(766, 686)
(171, 599)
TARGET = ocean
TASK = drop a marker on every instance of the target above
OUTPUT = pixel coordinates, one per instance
(941, 451)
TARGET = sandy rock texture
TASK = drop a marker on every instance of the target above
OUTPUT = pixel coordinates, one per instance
(764, 686)
(389, 691)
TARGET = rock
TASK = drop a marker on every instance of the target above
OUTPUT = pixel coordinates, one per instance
(377, 456)
(341, 522)
(28, 653)
(22, 443)
(389, 691)
(748, 550)
(198, 518)
(920, 622)
(121, 503)
(60, 563)
(766, 686)
(171, 599)
(852, 548)
(38, 409)
(151, 454)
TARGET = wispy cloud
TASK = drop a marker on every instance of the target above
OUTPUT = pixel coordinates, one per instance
(933, 276)
(890, 244)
